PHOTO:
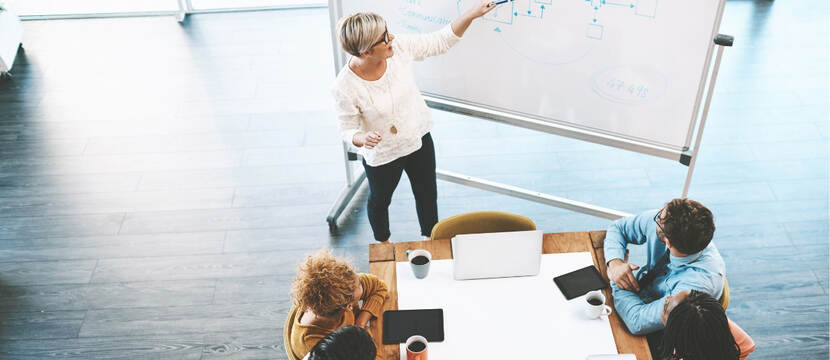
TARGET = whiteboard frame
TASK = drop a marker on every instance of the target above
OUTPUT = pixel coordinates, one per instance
(703, 74)
(684, 156)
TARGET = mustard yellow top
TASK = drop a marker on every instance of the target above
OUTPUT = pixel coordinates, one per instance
(303, 337)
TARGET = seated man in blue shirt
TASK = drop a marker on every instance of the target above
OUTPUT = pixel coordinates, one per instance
(681, 256)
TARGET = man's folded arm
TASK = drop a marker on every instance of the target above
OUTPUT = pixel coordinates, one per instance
(641, 318)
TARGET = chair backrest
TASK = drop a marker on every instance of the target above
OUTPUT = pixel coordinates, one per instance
(724, 298)
(481, 222)
(293, 316)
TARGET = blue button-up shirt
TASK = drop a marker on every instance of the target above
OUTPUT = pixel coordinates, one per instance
(703, 271)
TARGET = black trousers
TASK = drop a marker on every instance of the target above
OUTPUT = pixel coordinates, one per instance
(420, 168)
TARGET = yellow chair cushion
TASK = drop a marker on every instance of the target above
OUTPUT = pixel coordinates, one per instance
(481, 222)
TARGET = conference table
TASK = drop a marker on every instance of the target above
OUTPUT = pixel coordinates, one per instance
(382, 259)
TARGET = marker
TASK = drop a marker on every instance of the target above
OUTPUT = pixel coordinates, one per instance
(494, 3)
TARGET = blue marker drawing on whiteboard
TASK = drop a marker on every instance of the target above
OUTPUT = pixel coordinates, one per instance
(501, 14)
(532, 10)
(536, 9)
(646, 8)
(617, 4)
(595, 31)
(587, 24)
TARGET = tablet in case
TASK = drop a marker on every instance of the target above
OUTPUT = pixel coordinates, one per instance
(580, 282)
(399, 325)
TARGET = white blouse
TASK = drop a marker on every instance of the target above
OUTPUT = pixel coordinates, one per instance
(392, 100)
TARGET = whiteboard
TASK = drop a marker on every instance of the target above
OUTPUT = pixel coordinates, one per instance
(507, 318)
(631, 69)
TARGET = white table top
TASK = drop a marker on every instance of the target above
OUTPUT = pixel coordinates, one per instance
(507, 318)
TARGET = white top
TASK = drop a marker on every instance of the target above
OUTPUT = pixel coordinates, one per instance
(507, 318)
(392, 100)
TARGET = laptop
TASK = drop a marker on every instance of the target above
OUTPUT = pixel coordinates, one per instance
(497, 255)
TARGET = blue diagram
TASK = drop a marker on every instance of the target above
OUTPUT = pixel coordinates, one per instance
(510, 12)
(564, 31)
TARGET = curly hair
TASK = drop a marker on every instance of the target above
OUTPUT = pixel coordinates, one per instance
(688, 225)
(324, 284)
(697, 329)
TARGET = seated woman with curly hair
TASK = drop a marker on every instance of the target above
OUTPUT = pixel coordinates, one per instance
(328, 295)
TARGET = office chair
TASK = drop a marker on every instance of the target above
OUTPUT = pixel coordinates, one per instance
(481, 222)
(724, 298)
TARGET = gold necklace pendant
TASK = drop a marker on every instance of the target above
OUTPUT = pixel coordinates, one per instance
(393, 129)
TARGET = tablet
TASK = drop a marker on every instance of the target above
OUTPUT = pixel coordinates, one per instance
(580, 282)
(399, 325)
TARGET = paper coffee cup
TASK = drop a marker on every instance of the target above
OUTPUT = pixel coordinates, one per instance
(416, 348)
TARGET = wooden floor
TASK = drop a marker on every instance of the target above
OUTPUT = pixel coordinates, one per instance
(159, 182)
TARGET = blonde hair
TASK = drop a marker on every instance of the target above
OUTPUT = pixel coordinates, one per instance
(324, 284)
(359, 32)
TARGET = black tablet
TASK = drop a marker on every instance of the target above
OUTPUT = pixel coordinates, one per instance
(580, 282)
(399, 325)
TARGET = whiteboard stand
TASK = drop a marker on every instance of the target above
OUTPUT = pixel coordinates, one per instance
(349, 156)
(352, 185)
(185, 8)
(722, 41)
(684, 156)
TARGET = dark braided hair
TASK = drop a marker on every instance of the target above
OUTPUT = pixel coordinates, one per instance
(346, 343)
(697, 329)
(688, 225)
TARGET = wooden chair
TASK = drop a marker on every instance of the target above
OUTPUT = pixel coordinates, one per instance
(480, 222)
(724, 298)
(286, 332)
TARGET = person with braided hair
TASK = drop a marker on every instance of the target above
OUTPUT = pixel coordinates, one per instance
(681, 256)
(346, 343)
(697, 329)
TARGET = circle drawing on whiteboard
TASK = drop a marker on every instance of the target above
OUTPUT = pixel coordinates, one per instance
(541, 32)
(629, 84)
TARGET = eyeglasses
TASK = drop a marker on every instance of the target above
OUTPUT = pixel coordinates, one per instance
(660, 232)
(384, 39)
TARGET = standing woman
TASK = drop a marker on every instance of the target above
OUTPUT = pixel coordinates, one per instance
(381, 111)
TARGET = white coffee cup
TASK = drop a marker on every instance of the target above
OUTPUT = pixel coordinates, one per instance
(419, 270)
(595, 305)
